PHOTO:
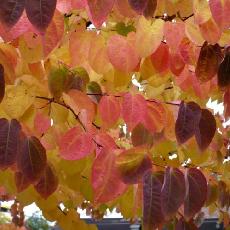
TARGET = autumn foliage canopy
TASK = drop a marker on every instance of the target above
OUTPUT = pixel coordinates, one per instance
(103, 105)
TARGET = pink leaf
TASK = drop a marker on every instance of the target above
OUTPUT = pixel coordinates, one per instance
(75, 144)
(42, 123)
(121, 54)
(134, 108)
(109, 108)
(106, 182)
(98, 10)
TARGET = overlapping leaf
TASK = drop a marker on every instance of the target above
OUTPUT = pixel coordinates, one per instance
(40, 12)
(9, 142)
(48, 183)
(132, 164)
(196, 194)
(11, 11)
(173, 192)
(31, 159)
(152, 211)
(208, 62)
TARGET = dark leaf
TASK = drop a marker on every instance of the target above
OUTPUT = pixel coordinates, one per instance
(9, 142)
(40, 12)
(208, 62)
(32, 159)
(48, 183)
(183, 225)
(141, 136)
(196, 187)
(21, 181)
(2, 83)
(224, 71)
(145, 7)
(187, 121)
(11, 11)
(173, 192)
(132, 165)
(206, 129)
(152, 213)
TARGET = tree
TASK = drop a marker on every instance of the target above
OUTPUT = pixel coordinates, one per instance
(103, 105)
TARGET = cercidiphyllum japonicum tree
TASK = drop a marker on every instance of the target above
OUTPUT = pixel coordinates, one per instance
(66, 89)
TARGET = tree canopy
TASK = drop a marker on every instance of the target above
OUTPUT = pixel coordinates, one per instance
(103, 105)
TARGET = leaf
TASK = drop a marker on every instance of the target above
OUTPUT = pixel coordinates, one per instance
(206, 129)
(132, 164)
(173, 192)
(21, 181)
(152, 212)
(224, 71)
(98, 10)
(160, 58)
(141, 136)
(2, 83)
(48, 183)
(110, 110)
(188, 119)
(106, 181)
(227, 104)
(75, 144)
(133, 109)
(42, 123)
(145, 7)
(40, 12)
(182, 225)
(31, 159)
(94, 89)
(9, 142)
(11, 11)
(149, 35)
(122, 54)
(212, 194)
(208, 62)
(54, 33)
(220, 10)
(196, 187)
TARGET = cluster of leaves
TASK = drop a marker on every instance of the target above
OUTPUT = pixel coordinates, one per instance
(103, 102)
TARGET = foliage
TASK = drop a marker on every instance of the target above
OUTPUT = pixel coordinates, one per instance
(36, 222)
(75, 129)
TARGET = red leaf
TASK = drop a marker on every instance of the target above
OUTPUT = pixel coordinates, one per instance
(206, 129)
(105, 140)
(2, 83)
(133, 109)
(208, 62)
(132, 165)
(40, 12)
(220, 11)
(152, 212)
(122, 54)
(160, 58)
(106, 181)
(227, 104)
(224, 71)
(196, 192)
(99, 10)
(53, 33)
(182, 225)
(75, 144)
(48, 183)
(21, 181)
(9, 142)
(176, 63)
(145, 7)
(11, 11)
(31, 159)
(174, 33)
(188, 119)
(173, 192)
(109, 108)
